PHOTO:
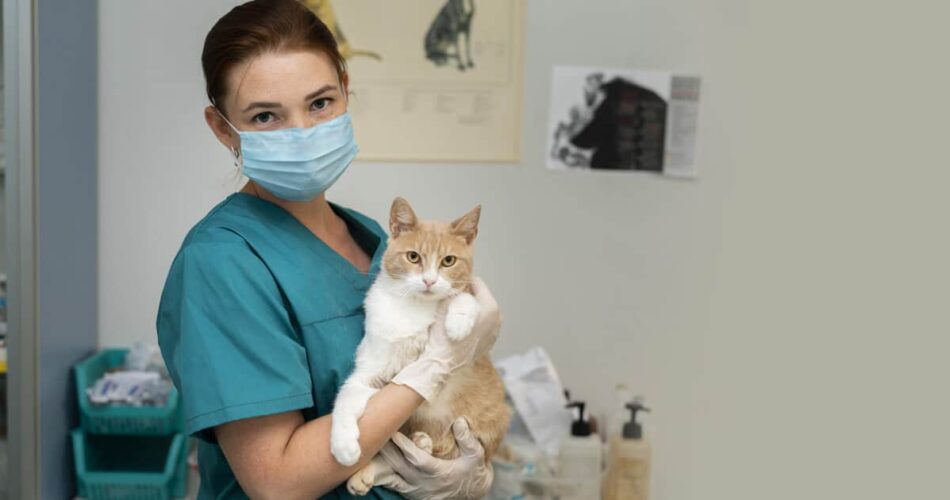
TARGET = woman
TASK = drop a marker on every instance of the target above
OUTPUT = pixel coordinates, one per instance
(262, 308)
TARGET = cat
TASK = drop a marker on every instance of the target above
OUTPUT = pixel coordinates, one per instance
(453, 21)
(323, 9)
(424, 264)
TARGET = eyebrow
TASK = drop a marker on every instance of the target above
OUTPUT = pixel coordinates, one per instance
(322, 90)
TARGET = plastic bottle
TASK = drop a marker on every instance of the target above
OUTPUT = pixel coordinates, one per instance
(628, 477)
(580, 458)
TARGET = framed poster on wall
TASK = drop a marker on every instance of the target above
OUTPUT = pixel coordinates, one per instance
(432, 80)
(633, 120)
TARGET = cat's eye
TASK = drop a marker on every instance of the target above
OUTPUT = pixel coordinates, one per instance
(448, 261)
(413, 257)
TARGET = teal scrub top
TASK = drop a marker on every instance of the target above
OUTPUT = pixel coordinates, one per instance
(258, 316)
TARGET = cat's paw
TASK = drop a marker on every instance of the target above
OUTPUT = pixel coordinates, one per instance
(345, 444)
(361, 482)
(461, 316)
(423, 441)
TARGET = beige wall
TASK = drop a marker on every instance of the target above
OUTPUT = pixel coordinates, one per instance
(785, 313)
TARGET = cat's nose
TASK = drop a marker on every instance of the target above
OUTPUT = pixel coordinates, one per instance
(428, 282)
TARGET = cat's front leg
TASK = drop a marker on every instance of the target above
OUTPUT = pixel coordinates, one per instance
(461, 315)
(344, 429)
(468, 46)
(458, 51)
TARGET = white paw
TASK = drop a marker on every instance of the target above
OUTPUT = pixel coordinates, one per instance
(423, 441)
(461, 316)
(345, 444)
(361, 482)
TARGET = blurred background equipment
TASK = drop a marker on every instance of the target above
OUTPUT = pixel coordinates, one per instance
(130, 443)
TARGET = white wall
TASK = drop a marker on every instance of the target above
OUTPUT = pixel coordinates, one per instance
(784, 313)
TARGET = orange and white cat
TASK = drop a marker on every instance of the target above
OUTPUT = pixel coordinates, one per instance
(425, 264)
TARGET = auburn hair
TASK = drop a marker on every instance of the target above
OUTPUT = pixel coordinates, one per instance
(261, 26)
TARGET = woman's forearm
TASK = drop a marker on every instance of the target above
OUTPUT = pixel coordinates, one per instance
(292, 459)
(308, 451)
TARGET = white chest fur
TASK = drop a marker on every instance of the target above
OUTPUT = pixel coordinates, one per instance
(397, 329)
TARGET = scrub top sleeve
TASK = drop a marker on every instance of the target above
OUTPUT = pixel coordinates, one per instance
(228, 339)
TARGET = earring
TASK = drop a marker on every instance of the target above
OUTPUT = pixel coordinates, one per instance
(237, 155)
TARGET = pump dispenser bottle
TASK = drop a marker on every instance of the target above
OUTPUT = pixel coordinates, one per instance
(580, 459)
(628, 476)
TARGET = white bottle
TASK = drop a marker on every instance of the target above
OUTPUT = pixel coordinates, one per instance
(580, 460)
(628, 477)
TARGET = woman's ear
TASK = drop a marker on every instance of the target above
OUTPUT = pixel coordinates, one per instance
(345, 83)
(221, 129)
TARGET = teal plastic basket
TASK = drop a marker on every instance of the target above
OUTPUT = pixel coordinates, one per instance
(126, 420)
(130, 467)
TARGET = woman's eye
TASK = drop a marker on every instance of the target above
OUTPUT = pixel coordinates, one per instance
(412, 257)
(263, 118)
(320, 104)
(448, 261)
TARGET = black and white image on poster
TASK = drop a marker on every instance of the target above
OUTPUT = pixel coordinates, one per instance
(632, 120)
(448, 72)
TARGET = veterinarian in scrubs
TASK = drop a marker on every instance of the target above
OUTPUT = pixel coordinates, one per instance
(262, 312)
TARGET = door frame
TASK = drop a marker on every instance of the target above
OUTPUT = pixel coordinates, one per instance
(19, 108)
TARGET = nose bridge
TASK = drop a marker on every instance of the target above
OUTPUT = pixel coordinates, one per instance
(431, 270)
(300, 119)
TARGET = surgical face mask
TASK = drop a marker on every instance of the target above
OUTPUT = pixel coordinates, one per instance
(297, 163)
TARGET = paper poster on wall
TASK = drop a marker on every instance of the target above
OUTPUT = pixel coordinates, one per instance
(432, 80)
(629, 120)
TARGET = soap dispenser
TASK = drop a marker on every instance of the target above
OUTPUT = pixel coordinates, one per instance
(580, 459)
(628, 477)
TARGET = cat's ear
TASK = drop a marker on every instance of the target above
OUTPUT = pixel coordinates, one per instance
(466, 226)
(401, 217)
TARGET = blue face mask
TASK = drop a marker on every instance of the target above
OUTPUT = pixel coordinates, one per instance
(298, 163)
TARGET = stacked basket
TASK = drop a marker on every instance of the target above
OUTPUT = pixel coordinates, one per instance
(125, 452)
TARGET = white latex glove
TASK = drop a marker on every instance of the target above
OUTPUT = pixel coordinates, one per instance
(419, 475)
(489, 319)
(442, 355)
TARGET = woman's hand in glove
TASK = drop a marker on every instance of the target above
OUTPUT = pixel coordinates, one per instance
(419, 475)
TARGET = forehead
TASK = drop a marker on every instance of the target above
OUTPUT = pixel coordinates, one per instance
(280, 77)
(433, 238)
